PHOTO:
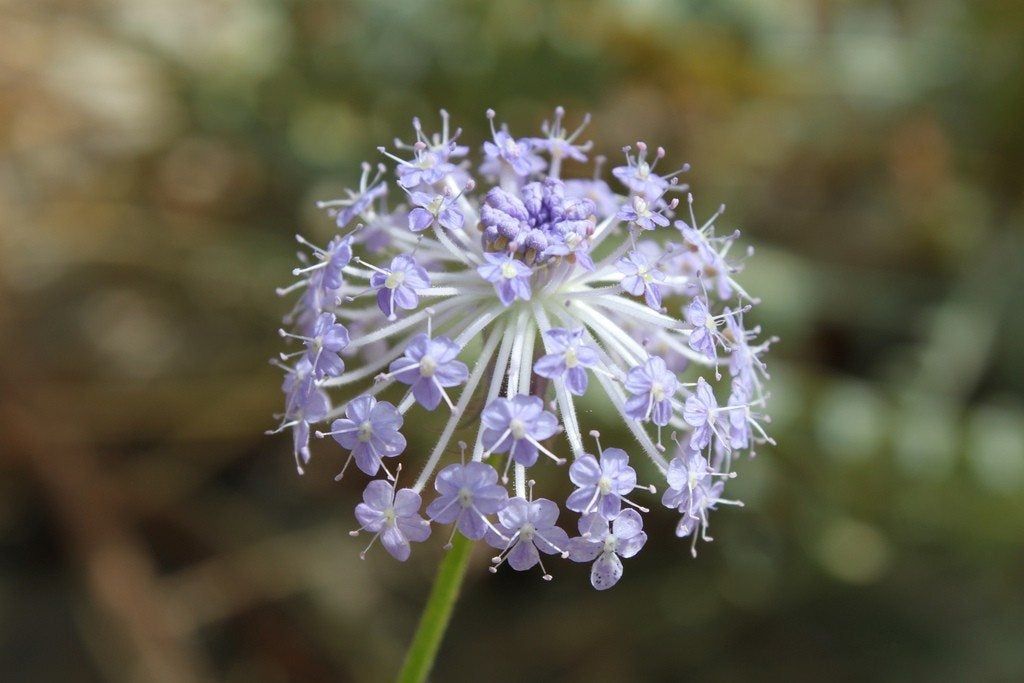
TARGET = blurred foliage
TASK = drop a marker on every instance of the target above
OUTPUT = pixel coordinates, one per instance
(156, 158)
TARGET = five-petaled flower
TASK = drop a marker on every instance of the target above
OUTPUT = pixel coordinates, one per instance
(518, 425)
(397, 287)
(603, 483)
(567, 359)
(393, 516)
(524, 528)
(604, 546)
(468, 494)
(429, 365)
(641, 278)
(509, 275)
(652, 386)
(370, 431)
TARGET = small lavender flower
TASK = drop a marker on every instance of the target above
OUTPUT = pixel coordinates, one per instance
(436, 209)
(638, 174)
(468, 494)
(524, 528)
(705, 337)
(744, 427)
(429, 365)
(370, 431)
(597, 542)
(567, 359)
(694, 492)
(603, 483)
(652, 386)
(518, 425)
(324, 345)
(644, 214)
(700, 411)
(686, 472)
(510, 277)
(507, 153)
(393, 516)
(397, 286)
(559, 143)
(326, 273)
(359, 202)
(305, 404)
(745, 364)
(431, 156)
(640, 277)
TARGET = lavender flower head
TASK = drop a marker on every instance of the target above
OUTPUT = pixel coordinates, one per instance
(491, 299)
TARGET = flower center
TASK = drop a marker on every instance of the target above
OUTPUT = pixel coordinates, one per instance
(571, 360)
(427, 366)
(604, 485)
(518, 428)
(435, 206)
(365, 431)
(657, 391)
(389, 516)
(394, 280)
(508, 271)
(610, 543)
(465, 497)
(527, 532)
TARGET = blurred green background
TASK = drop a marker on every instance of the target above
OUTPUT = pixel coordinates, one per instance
(156, 158)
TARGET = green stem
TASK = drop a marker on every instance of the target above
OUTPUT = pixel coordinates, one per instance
(438, 612)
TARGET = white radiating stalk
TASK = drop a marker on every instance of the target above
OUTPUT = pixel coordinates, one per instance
(391, 354)
(467, 393)
(516, 359)
(477, 325)
(632, 351)
(410, 321)
(497, 377)
(514, 366)
(565, 402)
(617, 397)
(641, 313)
(525, 372)
(463, 252)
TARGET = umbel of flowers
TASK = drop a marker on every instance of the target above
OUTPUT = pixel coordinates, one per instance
(489, 297)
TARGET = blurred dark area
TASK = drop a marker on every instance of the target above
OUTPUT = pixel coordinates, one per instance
(156, 159)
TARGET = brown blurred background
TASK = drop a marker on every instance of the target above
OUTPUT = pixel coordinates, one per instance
(156, 158)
